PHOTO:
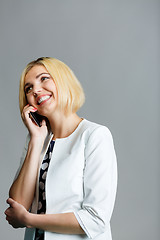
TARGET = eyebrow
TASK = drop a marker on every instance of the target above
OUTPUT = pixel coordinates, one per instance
(26, 85)
(36, 78)
(41, 74)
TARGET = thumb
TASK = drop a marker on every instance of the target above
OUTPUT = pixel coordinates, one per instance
(10, 201)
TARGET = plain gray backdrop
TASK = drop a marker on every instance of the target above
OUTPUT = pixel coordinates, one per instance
(113, 47)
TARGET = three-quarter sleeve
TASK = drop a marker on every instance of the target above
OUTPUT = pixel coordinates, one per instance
(100, 183)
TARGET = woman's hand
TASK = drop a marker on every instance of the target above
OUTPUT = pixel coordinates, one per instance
(34, 130)
(16, 214)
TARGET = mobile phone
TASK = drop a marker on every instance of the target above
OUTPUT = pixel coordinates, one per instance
(37, 118)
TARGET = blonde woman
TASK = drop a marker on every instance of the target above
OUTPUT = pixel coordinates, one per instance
(66, 184)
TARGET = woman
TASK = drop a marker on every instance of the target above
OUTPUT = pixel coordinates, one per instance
(66, 184)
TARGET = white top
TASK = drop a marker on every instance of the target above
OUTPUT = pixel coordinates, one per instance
(82, 178)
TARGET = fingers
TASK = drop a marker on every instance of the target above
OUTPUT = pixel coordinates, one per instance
(7, 212)
(26, 116)
(43, 122)
(33, 128)
(12, 203)
(7, 218)
(26, 110)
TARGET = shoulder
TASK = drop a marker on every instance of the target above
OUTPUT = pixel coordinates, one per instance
(94, 130)
(99, 145)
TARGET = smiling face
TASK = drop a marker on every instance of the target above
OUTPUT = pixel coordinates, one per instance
(40, 90)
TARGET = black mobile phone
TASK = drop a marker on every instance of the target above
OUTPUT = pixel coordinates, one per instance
(37, 118)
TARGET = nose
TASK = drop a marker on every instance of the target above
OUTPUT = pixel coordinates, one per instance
(36, 90)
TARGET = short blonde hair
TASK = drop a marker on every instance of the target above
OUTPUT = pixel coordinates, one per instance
(70, 92)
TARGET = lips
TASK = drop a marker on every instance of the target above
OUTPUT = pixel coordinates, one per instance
(43, 98)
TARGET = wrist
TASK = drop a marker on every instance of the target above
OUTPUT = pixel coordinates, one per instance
(28, 220)
(36, 142)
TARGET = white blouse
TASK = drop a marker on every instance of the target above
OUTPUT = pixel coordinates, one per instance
(82, 178)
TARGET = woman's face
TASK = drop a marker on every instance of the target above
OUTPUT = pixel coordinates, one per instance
(40, 90)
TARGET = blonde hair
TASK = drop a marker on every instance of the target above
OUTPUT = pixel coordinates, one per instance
(70, 92)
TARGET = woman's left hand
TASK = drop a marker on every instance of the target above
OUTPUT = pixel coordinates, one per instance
(16, 214)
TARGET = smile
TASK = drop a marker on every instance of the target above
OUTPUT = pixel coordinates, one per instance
(42, 99)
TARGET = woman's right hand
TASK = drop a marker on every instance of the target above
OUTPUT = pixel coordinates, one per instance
(35, 131)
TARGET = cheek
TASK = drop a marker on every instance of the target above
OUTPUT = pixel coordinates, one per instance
(29, 100)
(54, 89)
(50, 86)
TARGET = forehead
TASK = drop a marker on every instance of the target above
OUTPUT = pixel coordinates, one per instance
(34, 72)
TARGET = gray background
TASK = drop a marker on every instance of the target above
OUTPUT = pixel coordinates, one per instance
(113, 48)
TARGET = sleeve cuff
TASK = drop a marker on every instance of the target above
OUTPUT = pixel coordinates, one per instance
(82, 224)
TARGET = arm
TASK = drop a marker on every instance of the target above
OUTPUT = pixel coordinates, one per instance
(64, 223)
(23, 188)
(100, 183)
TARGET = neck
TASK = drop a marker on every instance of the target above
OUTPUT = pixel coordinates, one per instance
(62, 126)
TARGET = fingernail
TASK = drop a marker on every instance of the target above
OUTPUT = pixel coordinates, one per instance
(34, 108)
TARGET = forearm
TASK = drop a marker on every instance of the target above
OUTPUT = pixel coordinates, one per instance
(64, 223)
(23, 188)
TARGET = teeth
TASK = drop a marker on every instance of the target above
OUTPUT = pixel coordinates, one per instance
(43, 98)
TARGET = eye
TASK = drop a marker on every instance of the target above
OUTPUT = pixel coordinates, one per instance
(44, 78)
(28, 89)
